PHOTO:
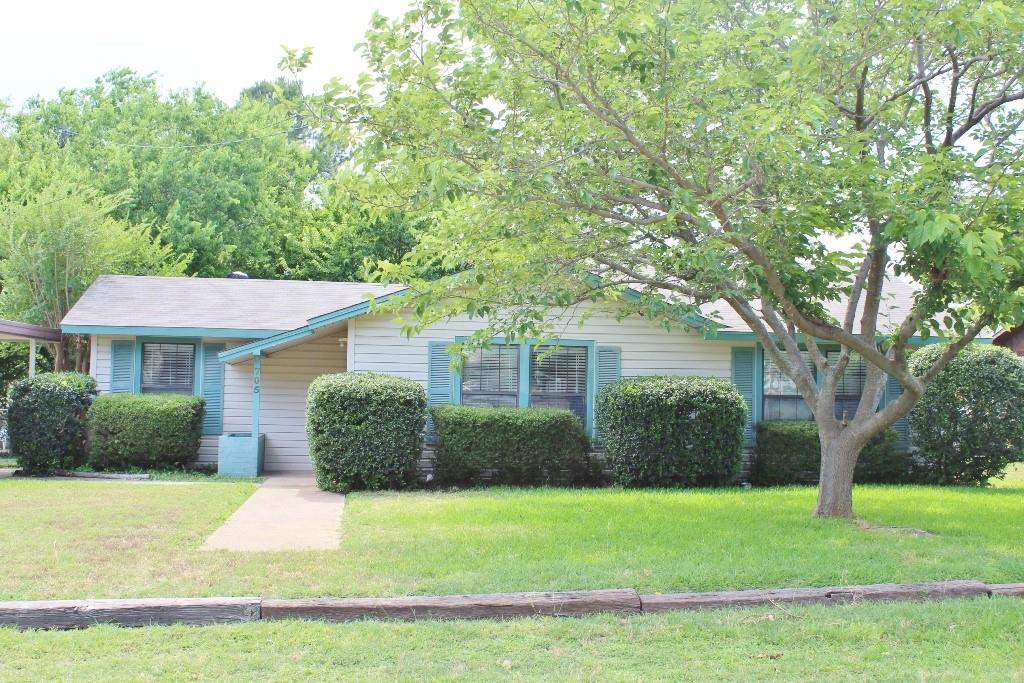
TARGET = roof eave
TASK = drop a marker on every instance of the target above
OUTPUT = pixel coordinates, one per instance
(261, 346)
(739, 335)
(141, 331)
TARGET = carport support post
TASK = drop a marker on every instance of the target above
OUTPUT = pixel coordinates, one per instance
(256, 370)
(31, 357)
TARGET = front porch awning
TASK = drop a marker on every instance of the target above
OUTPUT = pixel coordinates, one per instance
(12, 330)
(262, 346)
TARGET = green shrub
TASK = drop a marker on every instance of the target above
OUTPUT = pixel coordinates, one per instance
(789, 452)
(147, 431)
(672, 431)
(46, 420)
(968, 426)
(517, 446)
(365, 430)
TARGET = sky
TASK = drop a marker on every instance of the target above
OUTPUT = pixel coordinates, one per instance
(226, 45)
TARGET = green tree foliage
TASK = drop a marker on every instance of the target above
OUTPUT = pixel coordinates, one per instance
(342, 241)
(968, 426)
(225, 183)
(708, 151)
(249, 186)
(55, 244)
(14, 364)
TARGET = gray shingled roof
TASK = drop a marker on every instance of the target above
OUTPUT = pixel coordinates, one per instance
(897, 300)
(176, 302)
(281, 305)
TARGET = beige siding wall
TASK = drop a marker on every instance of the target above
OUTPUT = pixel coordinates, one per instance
(100, 361)
(377, 344)
(284, 383)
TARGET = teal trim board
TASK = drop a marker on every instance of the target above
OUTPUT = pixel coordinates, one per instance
(257, 371)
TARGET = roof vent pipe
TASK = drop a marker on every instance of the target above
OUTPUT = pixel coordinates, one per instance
(238, 275)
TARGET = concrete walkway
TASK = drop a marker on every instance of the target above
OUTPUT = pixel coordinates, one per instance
(288, 512)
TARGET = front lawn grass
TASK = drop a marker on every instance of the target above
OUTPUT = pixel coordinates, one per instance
(102, 539)
(963, 640)
(1014, 477)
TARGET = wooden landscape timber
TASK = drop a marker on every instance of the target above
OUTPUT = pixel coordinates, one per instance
(494, 606)
(71, 614)
(68, 614)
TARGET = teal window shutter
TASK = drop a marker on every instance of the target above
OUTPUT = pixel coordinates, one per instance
(213, 389)
(609, 369)
(893, 390)
(439, 379)
(609, 366)
(743, 378)
(122, 366)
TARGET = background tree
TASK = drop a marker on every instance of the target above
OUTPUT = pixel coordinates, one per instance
(14, 364)
(341, 239)
(771, 156)
(54, 245)
(226, 184)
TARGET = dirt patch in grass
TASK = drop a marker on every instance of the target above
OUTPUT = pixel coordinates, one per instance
(904, 530)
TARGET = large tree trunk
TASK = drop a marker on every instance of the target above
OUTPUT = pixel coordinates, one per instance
(60, 356)
(82, 354)
(839, 453)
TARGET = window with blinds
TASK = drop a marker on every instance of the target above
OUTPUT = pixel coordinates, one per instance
(850, 385)
(782, 400)
(490, 377)
(168, 368)
(558, 379)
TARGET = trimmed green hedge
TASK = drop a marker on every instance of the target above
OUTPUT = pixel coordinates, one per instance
(147, 431)
(789, 452)
(969, 424)
(46, 420)
(365, 430)
(672, 431)
(516, 446)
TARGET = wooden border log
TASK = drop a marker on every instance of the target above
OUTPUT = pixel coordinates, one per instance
(67, 614)
(493, 606)
(749, 598)
(1015, 590)
(942, 590)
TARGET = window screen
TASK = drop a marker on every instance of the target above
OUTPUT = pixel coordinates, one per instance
(490, 377)
(558, 379)
(782, 400)
(168, 368)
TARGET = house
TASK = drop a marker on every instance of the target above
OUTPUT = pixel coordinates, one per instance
(251, 347)
(1012, 339)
